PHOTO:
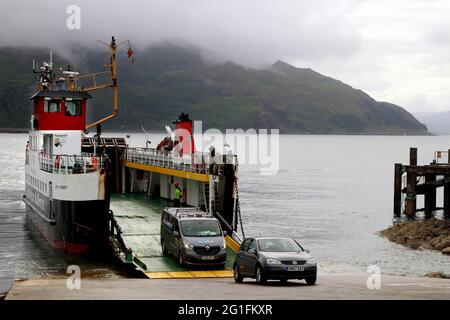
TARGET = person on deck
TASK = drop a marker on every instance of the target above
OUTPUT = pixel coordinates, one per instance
(178, 195)
(212, 155)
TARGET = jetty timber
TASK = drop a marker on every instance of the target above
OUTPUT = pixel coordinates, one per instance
(422, 180)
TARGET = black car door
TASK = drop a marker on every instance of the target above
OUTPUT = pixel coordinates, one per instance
(241, 256)
(251, 257)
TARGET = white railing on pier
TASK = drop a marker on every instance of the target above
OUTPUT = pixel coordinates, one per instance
(71, 164)
(198, 162)
(441, 158)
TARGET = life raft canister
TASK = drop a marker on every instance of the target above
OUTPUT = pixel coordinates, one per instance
(94, 161)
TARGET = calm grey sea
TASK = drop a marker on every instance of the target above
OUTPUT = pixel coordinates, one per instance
(332, 193)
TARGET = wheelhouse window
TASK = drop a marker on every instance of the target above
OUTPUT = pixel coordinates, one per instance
(52, 106)
(73, 108)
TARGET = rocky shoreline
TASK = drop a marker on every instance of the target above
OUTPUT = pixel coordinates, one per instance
(432, 234)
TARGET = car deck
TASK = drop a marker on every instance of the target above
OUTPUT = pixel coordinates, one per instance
(139, 218)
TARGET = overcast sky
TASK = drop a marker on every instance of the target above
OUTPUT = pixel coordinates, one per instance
(396, 51)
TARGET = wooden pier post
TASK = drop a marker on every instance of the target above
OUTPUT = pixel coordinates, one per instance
(410, 200)
(430, 196)
(398, 189)
(447, 194)
(413, 156)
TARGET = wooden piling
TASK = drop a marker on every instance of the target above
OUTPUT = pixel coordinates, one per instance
(447, 201)
(413, 156)
(410, 200)
(430, 196)
(447, 193)
(397, 189)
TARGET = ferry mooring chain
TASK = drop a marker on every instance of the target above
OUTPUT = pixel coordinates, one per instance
(238, 211)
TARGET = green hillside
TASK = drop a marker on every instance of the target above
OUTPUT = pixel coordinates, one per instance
(167, 80)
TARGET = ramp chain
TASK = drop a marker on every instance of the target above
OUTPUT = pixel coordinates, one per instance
(238, 212)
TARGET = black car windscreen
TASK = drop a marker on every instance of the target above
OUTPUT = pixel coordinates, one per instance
(278, 245)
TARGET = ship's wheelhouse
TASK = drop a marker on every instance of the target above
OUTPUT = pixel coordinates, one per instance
(59, 110)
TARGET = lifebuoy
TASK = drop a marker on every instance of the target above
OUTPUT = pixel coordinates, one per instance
(94, 161)
(57, 162)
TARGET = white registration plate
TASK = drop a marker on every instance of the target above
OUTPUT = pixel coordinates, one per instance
(295, 268)
(207, 257)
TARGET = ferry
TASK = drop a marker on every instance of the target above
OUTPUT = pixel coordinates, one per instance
(75, 181)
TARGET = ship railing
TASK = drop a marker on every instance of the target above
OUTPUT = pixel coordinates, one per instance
(441, 158)
(198, 162)
(71, 164)
(95, 81)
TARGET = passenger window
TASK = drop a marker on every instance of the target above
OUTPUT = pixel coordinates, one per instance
(252, 245)
(165, 218)
(168, 221)
(244, 246)
(73, 108)
(176, 227)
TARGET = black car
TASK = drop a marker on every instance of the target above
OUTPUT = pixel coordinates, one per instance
(274, 258)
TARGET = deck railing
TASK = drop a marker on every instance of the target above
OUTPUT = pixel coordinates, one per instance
(199, 162)
(71, 164)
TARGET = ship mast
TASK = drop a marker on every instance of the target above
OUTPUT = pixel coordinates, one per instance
(111, 84)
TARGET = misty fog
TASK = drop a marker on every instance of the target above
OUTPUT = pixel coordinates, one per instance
(396, 52)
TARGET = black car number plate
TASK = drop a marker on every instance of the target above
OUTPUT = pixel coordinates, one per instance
(295, 268)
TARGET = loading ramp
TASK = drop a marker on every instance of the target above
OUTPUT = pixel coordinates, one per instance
(136, 222)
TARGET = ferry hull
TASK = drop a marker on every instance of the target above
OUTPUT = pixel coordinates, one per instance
(75, 227)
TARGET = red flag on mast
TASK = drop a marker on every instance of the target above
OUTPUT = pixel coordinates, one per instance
(130, 53)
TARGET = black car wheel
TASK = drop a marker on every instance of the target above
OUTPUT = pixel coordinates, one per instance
(260, 278)
(311, 280)
(163, 248)
(237, 276)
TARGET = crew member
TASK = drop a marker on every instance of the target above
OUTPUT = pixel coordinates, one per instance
(178, 195)
(212, 160)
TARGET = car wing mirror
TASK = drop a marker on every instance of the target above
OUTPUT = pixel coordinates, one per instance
(307, 250)
(176, 234)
